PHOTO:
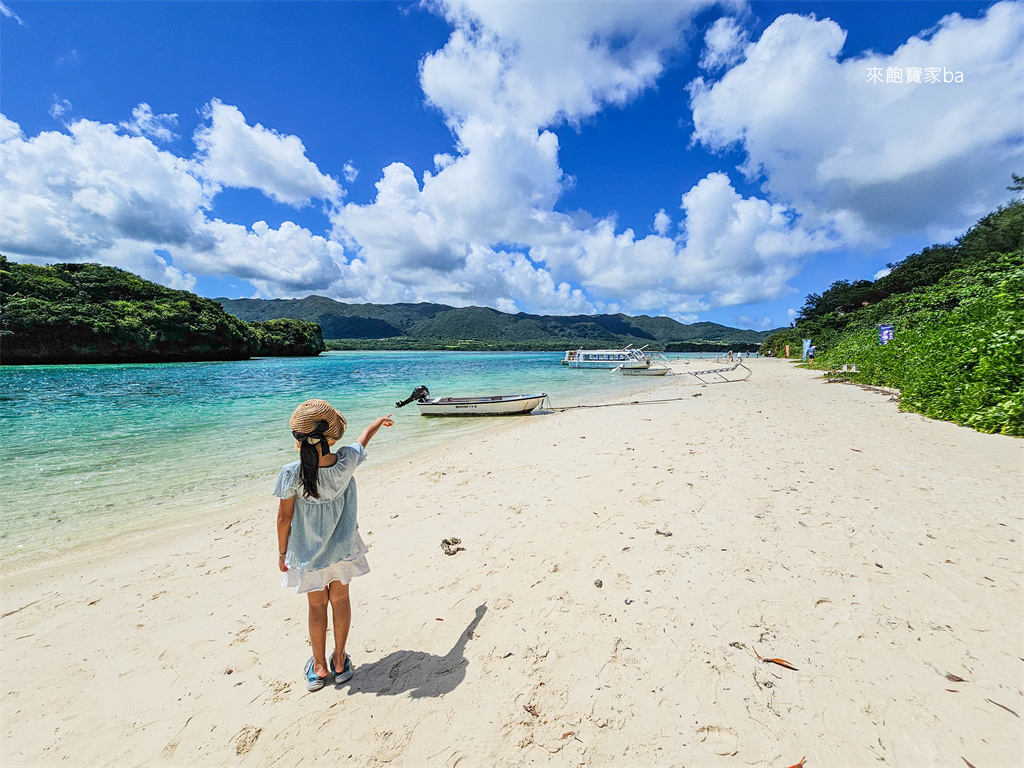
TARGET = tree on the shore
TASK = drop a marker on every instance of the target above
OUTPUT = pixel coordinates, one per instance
(958, 314)
(88, 313)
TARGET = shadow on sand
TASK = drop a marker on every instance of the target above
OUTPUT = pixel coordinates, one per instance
(421, 673)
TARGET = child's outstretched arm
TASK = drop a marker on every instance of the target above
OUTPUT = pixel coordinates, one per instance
(285, 510)
(370, 431)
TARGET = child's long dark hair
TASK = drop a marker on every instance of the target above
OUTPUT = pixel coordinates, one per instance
(309, 458)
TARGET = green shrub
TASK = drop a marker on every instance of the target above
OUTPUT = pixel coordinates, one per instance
(87, 313)
(958, 349)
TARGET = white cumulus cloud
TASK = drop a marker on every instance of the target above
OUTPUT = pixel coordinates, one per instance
(534, 64)
(287, 261)
(145, 123)
(94, 194)
(9, 129)
(508, 73)
(724, 43)
(877, 158)
(743, 321)
(75, 196)
(662, 221)
(233, 153)
(742, 250)
(59, 108)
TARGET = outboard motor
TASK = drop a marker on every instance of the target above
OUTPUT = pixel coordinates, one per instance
(419, 394)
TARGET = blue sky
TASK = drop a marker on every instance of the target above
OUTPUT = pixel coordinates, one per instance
(705, 160)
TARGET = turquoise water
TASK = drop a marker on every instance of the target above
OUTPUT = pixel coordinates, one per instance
(92, 452)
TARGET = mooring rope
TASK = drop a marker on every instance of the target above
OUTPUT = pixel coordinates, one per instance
(661, 400)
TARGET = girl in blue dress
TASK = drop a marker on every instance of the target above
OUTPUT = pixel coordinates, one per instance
(319, 547)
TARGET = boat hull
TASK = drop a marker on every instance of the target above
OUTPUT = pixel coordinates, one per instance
(607, 365)
(653, 371)
(497, 405)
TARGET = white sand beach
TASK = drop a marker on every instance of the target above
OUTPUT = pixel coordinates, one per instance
(877, 552)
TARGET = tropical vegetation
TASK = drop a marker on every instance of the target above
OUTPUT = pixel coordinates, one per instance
(87, 313)
(957, 313)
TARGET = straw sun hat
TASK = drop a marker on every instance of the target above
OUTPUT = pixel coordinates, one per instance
(315, 420)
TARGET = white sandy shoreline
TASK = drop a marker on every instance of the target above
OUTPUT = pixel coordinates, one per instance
(875, 551)
(215, 515)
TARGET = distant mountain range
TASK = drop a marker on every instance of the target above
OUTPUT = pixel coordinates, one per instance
(425, 321)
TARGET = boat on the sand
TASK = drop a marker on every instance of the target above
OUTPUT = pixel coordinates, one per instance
(493, 405)
(654, 370)
(482, 405)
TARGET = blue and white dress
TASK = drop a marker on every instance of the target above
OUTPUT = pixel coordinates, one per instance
(324, 544)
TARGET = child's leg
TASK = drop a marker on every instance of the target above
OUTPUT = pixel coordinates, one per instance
(342, 610)
(318, 630)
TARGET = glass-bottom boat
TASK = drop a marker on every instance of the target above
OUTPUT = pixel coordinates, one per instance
(627, 358)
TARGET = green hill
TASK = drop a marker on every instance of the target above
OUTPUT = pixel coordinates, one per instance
(433, 326)
(338, 320)
(87, 313)
(957, 312)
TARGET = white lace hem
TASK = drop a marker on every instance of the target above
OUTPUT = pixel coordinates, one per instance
(314, 581)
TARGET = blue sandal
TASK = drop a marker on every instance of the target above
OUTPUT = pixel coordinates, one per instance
(313, 681)
(346, 673)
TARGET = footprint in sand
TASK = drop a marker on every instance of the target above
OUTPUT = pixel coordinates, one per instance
(168, 751)
(246, 739)
(719, 739)
(391, 745)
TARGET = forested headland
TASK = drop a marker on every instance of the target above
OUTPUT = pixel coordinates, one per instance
(957, 313)
(87, 313)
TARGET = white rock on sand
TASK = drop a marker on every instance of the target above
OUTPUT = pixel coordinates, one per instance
(877, 552)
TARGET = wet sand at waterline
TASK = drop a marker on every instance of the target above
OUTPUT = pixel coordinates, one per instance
(876, 552)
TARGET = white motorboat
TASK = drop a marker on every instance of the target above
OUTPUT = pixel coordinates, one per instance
(630, 357)
(484, 405)
(654, 370)
(493, 405)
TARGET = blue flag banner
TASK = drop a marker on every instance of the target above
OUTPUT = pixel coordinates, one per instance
(885, 334)
(807, 347)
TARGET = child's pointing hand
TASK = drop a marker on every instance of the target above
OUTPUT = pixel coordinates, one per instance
(370, 431)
